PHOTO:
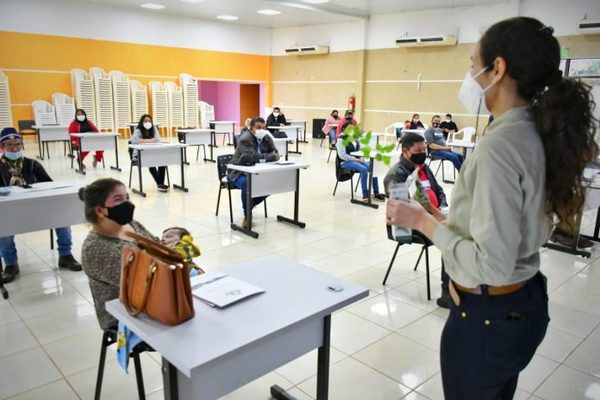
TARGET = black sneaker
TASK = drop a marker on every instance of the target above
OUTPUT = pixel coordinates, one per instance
(10, 273)
(163, 188)
(444, 300)
(69, 262)
(379, 196)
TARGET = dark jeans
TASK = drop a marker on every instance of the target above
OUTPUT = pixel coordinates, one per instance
(457, 159)
(158, 173)
(241, 183)
(488, 340)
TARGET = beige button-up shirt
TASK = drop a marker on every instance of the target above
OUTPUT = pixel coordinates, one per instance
(497, 220)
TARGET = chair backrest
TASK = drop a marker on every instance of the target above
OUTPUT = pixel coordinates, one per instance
(222, 162)
(342, 174)
(464, 135)
(26, 125)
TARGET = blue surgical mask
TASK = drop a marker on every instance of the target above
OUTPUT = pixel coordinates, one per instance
(13, 155)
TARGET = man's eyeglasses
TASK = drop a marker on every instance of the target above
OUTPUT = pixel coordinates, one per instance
(12, 145)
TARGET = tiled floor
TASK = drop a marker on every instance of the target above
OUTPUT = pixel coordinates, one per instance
(385, 347)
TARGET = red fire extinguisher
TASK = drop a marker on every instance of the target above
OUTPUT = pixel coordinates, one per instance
(352, 102)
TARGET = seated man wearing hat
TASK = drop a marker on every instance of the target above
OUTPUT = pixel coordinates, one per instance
(17, 170)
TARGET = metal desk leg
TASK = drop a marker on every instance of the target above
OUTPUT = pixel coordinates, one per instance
(2, 288)
(249, 206)
(79, 160)
(139, 165)
(297, 141)
(116, 168)
(182, 187)
(169, 372)
(369, 202)
(294, 221)
(40, 146)
(595, 237)
(212, 140)
(323, 361)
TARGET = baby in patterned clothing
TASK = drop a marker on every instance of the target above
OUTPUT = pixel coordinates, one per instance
(181, 240)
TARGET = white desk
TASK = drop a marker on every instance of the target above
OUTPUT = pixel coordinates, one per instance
(369, 202)
(198, 137)
(159, 155)
(282, 146)
(220, 350)
(50, 133)
(417, 131)
(463, 145)
(94, 141)
(291, 132)
(302, 125)
(264, 179)
(224, 128)
(40, 207)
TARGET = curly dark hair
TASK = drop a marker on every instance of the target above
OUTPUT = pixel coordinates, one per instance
(562, 109)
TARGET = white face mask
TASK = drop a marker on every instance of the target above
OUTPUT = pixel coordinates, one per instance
(147, 125)
(81, 118)
(276, 114)
(448, 120)
(472, 95)
(261, 133)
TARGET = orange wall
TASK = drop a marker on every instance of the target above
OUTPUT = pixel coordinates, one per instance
(61, 54)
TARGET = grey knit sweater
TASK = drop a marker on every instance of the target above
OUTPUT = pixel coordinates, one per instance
(101, 262)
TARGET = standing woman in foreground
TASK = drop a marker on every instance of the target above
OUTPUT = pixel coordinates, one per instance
(526, 170)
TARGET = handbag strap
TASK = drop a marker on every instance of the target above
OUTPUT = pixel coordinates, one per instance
(125, 293)
(156, 248)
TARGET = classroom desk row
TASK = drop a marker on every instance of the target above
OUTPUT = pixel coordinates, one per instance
(209, 356)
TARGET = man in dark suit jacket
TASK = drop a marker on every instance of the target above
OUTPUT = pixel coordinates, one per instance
(17, 170)
(252, 147)
(413, 157)
(276, 118)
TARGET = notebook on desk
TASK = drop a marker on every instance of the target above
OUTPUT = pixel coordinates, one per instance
(221, 290)
(283, 162)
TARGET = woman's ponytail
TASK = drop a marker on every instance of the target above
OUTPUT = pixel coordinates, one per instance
(564, 118)
(563, 109)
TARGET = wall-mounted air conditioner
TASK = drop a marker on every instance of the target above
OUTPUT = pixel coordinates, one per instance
(588, 26)
(421, 41)
(306, 50)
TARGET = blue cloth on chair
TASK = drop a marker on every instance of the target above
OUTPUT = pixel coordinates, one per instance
(126, 341)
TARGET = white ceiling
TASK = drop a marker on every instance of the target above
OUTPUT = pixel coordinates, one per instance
(333, 11)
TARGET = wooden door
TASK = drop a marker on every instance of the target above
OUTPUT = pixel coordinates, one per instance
(249, 101)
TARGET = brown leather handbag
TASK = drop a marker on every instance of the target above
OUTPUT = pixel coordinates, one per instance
(155, 280)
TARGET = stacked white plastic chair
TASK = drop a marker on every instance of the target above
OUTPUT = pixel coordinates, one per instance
(207, 113)
(64, 107)
(160, 109)
(139, 100)
(121, 99)
(189, 85)
(175, 102)
(83, 92)
(43, 113)
(104, 99)
(5, 104)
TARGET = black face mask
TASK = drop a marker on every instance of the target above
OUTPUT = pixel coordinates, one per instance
(121, 214)
(418, 158)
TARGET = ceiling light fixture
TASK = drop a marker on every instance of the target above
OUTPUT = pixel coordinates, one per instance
(228, 17)
(268, 12)
(153, 6)
(315, 1)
